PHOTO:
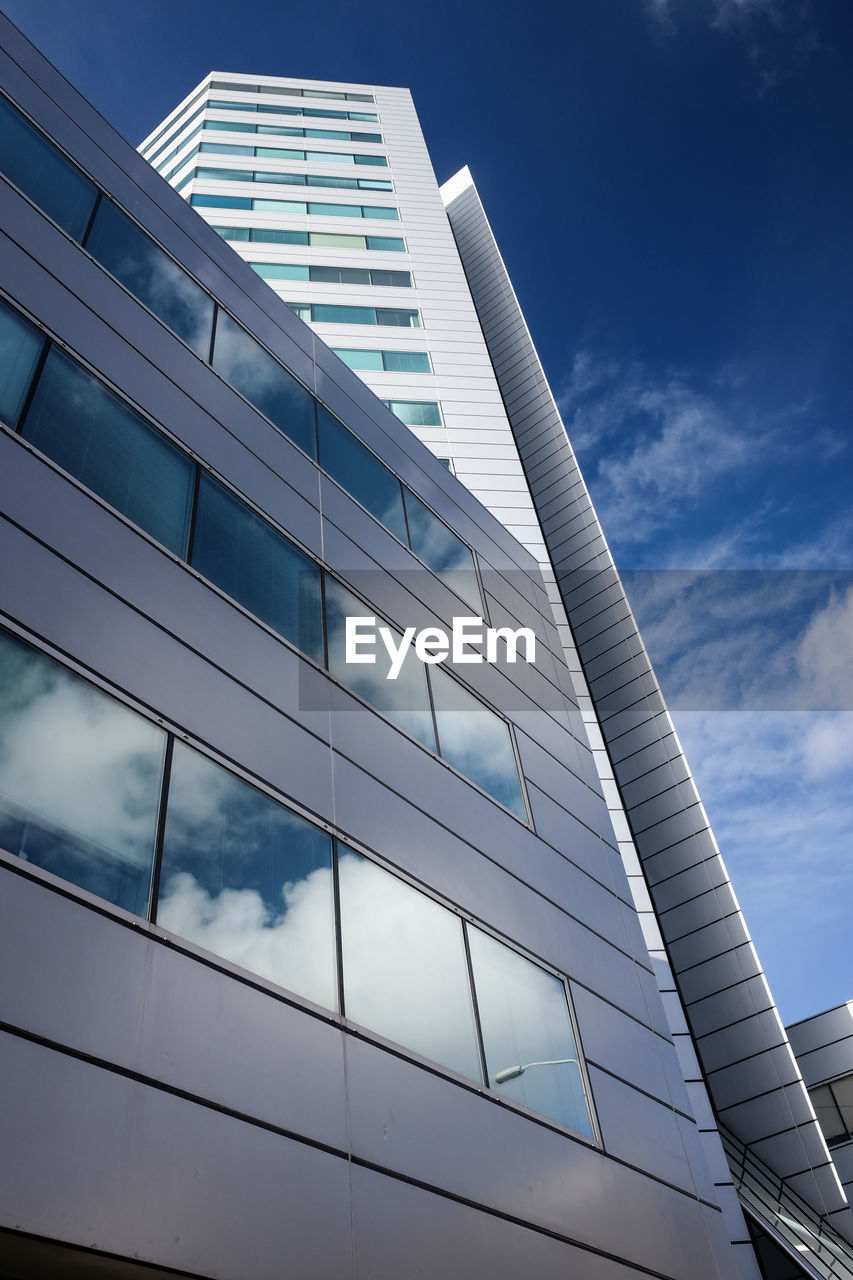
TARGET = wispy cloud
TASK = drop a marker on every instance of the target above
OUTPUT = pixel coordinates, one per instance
(777, 35)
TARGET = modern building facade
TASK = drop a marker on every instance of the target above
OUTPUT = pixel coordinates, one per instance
(313, 974)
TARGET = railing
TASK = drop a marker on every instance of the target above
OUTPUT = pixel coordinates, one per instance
(787, 1218)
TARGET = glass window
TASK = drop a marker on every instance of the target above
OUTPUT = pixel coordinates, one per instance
(224, 175)
(376, 160)
(80, 778)
(330, 313)
(366, 137)
(220, 202)
(397, 318)
(42, 172)
(388, 244)
(279, 206)
(408, 362)
(222, 105)
(317, 113)
(225, 149)
(361, 473)
(20, 347)
(233, 233)
(143, 268)
(231, 126)
(524, 1016)
(828, 1115)
(439, 547)
(257, 566)
(287, 179)
(278, 153)
(301, 309)
(89, 432)
(248, 879)
(263, 381)
(375, 184)
(361, 115)
(340, 275)
(280, 270)
(330, 157)
(328, 240)
(371, 360)
(342, 183)
(266, 235)
(843, 1091)
(335, 210)
(397, 279)
(476, 741)
(405, 700)
(416, 413)
(334, 134)
(380, 211)
(405, 972)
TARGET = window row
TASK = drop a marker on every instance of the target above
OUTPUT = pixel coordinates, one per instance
(84, 781)
(170, 155)
(279, 109)
(259, 205)
(290, 92)
(292, 153)
(159, 161)
(317, 239)
(62, 410)
(833, 1104)
(172, 127)
(333, 275)
(287, 179)
(384, 361)
(292, 131)
(335, 313)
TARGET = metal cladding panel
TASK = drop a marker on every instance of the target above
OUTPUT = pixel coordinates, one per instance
(828, 1033)
(156, 1011)
(632, 715)
(132, 1162)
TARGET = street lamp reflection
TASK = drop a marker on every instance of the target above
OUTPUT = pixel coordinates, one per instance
(512, 1073)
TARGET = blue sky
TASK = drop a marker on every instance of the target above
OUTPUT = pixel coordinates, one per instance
(670, 182)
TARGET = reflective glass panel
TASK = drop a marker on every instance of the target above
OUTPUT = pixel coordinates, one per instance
(220, 202)
(279, 206)
(80, 778)
(225, 149)
(371, 360)
(330, 313)
(42, 172)
(405, 973)
(248, 879)
(340, 275)
(112, 450)
(20, 348)
(380, 211)
(342, 183)
(399, 279)
(233, 233)
(416, 413)
(525, 1021)
(263, 381)
(257, 566)
(143, 268)
(328, 240)
(265, 235)
(375, 184)
(280, 270)
(404, 700)
(361, 473)
(278, 153)
(335, 210)
(329, 157)
(476, 741)
(389, 244)
(439, 547)
(398, 318)
(406, 361)
(826, 1110)
(843, 1091)
(286, 179)
(381, 161)
(231, 126)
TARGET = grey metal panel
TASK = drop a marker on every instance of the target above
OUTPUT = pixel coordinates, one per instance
(827, 1063)
(685, 885)
(407, 1120)
(106, 1162)
(625, 1048)
(635, 1128)
(729, 1005)
(153, 1010)
(759, 1117)
(741, 1040)
(587, 850)
(822, 1029)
